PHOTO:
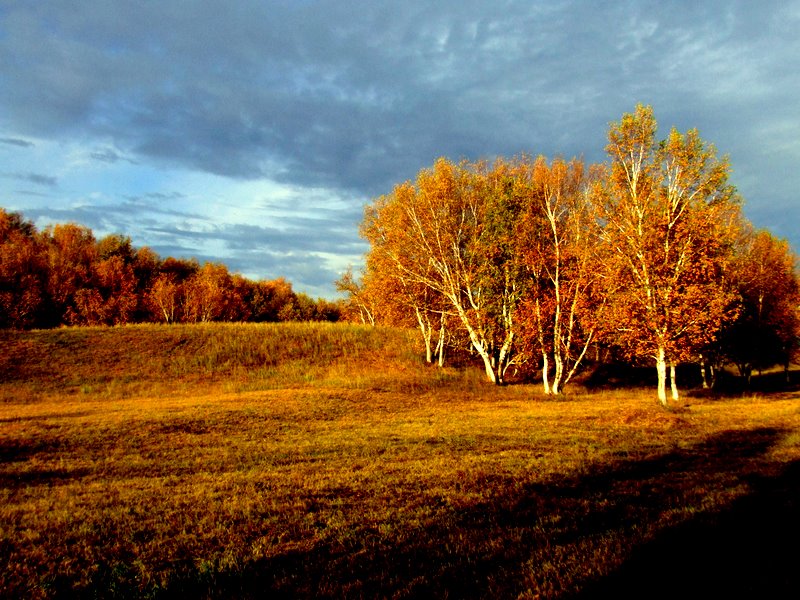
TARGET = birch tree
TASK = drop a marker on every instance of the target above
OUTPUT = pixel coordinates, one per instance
(670, 216)
(558, 236)
(439, 234)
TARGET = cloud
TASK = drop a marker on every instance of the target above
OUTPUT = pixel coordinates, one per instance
(330, 103)
(107, 155)
(16, 142)
(348, 97)
(324, 94)
(35, 178)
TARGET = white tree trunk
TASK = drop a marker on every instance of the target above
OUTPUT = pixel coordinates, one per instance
(558, 374)
(673, 382)
(487, 365)
(440, 343)
(427, 334)
(661, 369)
(546, 374)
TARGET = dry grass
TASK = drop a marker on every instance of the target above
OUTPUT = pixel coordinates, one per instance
(327, 461)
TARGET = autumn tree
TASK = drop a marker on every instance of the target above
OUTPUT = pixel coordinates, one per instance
(146, 265)
(267, 298)
(360, 304)
(114, 280)
(118, 245)
(63, 275)
(558, 237)
(164, 297)
(439, 234)
(766, 278)
(211, 294)
(401, 301)
(22, 272)
(70, 252)
(669, 219)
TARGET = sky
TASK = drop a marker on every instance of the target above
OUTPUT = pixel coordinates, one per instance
(254, 132)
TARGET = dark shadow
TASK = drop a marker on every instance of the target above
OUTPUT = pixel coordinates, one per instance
(15, 481)
(621, 375)
(615, 375)
(13, 450)
(469, 553)
(750, 550)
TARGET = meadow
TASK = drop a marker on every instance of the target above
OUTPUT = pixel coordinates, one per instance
(328, 461)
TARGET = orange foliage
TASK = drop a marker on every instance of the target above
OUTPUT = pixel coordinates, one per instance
(670, 217)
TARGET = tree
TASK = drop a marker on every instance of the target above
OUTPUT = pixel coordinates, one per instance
(164, 297)
(405, 302)
(116, 244)
(558, 236)
(440, 235)
(670, 217)
(211, 294)
(115, 281)
(70, 252)
(268, 298)
(359, 303)
(22, 273)
(766, 331)
(146, 268)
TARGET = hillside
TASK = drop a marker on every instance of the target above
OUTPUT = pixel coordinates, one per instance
(145, 359)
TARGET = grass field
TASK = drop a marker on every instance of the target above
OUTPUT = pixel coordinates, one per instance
(328, 461)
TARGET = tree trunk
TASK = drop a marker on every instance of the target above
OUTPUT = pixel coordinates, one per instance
(488, 366)
(713, 371)
(673, 382)
(440, 344)
(546, 374)
(661, 369)
(427, 335)
(703, 372)
(558, 374)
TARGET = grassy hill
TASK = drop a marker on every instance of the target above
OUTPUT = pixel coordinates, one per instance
(329, 461)
(143, 359)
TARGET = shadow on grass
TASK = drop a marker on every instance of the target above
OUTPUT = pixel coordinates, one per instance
(728, 382)
(749, 550)
(633, 528)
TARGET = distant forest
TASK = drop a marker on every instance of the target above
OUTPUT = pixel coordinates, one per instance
(63, 275)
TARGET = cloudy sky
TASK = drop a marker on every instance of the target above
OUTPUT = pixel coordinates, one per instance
(253, 132)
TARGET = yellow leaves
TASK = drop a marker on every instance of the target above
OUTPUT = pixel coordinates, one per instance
(666, 212)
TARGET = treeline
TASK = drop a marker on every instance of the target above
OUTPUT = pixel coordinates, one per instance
(535, 263)
(62, 275)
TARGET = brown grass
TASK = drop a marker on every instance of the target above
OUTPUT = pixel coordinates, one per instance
(361, 472)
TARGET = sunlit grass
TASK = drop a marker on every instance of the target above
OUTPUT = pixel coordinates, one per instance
(329, 461)
(145, 359)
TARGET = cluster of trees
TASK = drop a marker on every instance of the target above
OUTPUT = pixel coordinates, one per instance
(535, 261)
(62, 275)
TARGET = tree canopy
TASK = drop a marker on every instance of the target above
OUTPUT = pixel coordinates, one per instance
(532, 260)
(64, 276)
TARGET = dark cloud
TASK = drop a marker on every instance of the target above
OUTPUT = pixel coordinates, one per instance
(348, 98)
(17, 142)
(354, 96)
(36, 178)
(107, 155)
